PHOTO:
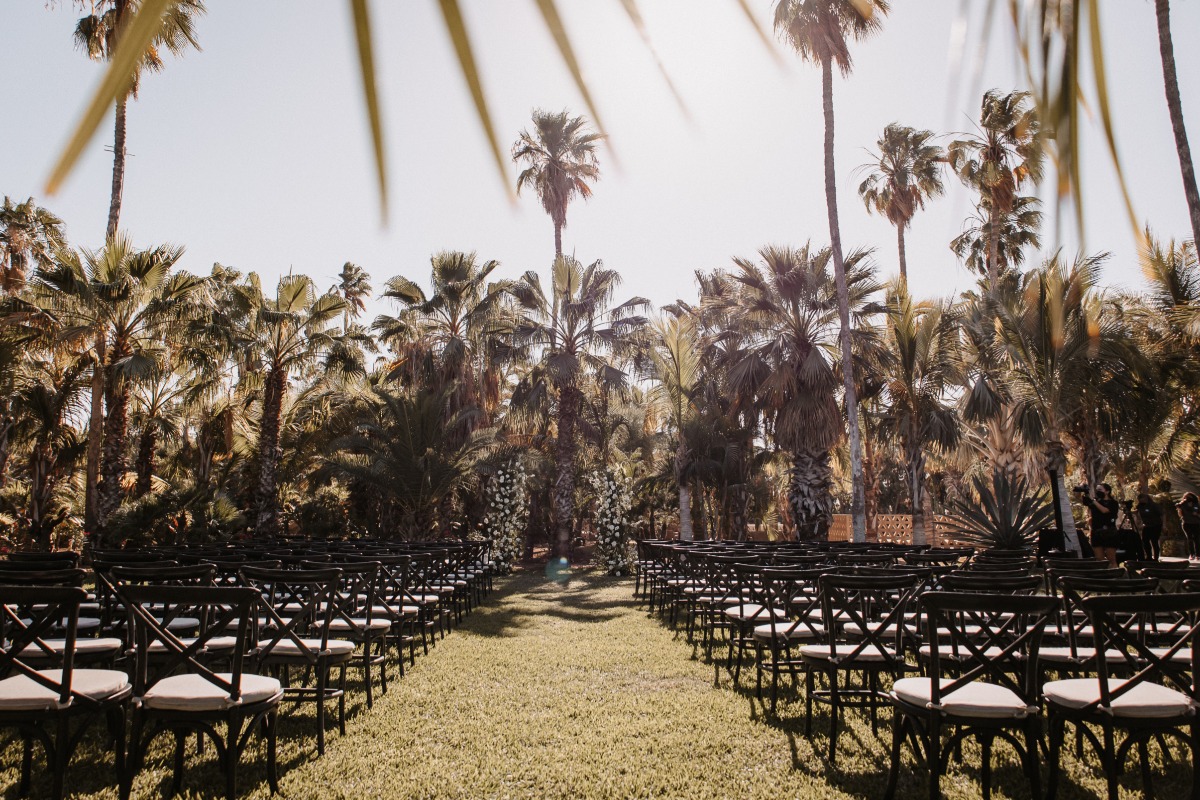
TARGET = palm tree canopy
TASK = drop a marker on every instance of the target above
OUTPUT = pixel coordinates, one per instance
(96, 33)
(904, 173)
(821, 30)
(560, 161)
(1017, 231)
(29, 236)
(1005, 154)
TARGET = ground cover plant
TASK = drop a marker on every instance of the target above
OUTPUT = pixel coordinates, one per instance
(569, 689)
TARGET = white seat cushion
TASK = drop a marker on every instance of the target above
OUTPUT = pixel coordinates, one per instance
(976, 699)
(790, 631)
(751, 611)
(215, 644)
(83, 647)
(196, 693)
(336, 647)
(22, 693)
(871, 653)
(376, 625)
(1145, 700)
(1062, 655)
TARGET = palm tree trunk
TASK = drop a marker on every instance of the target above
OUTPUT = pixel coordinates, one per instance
(1162, 9)
(870, 488)
(557, 240)
(809, 495)
(903, 255)
(1056, 465)
(118, 173)
(685, 512)
(269, 455)
(993, 252)
(91, 502)
(113, 464)
(147, 444)
(564, 484)
(41, 487)
(916, 488)
(857, 499)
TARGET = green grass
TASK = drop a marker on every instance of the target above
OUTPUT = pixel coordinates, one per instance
(571, 690)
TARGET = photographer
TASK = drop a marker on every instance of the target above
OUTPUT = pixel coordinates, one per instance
(1103, 508)
(1189, 512)
(1150, 515)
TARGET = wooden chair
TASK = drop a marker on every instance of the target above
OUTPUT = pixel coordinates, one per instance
(176, 691)
(987, 691)
(42, 691)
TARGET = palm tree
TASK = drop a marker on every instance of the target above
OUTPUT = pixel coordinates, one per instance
(560, 164)
(576, 330)
(1015, 232)
(906, 172)
(820, 31)
(922, 337)
(462, 325)
(676, 361)
(98, 33)
(788, 360)
(1162, 9)
(29, 236)
(354, 287)
(1056, 341)
(287, 333)
(998, 161)
(126, 301)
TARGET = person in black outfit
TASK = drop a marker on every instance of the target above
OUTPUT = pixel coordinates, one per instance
(1150, 517)
(1189, 513)
(1103, 508)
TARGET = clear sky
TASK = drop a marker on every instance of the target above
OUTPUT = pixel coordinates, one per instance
(255, 152)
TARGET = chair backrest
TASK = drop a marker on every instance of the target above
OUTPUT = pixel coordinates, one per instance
(794, 594)
(1075, 564)
(874, 606)
(36, 564)
(994, 637)
(990, 583)
(355, 596)
(62, 557)
(297, 604)
(1121, 622)
(222, 607)
(63, 576)
(28, 616)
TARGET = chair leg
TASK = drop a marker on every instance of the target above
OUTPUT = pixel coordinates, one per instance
(1147, 779)
(62, 752)
(116, 728)
(985, 746)
(366, 666)
(1058, 732)
(1031, 756)
(934, 740)
(342, 702)
(897, 741)
(26, 764)
(272, 747)
(1110, 762)
(835, 711)
(180, 745)
(322, 683)
(1195, 736)
(232, 757)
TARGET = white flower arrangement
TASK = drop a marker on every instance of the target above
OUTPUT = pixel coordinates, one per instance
(508, 513)
(612, 521)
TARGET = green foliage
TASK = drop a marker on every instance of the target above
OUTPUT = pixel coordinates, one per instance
(1004, 515)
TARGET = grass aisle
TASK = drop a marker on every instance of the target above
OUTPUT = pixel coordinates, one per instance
(570, 691)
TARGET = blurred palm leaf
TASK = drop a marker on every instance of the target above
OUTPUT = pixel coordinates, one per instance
(149, 17)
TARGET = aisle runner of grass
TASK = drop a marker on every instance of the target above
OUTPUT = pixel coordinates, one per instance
(570, 691)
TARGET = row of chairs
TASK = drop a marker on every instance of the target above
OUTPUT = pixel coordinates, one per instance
(952, 643)
(210, 642)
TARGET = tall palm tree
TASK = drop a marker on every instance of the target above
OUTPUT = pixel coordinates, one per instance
(576, 330)
(788, 360)
(998, 161)
(1011, 234)
(560, 164)
(1162, 9)
(29, 236)
(922, 337)
(821, 31)
(287, 333)
(676, 361)
(126, 301)
(354, 287)
(906, 171)
(98, 33)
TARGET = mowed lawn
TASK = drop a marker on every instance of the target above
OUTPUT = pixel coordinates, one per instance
(570, 690)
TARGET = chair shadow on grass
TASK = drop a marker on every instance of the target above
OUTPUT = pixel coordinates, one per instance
(864, 758)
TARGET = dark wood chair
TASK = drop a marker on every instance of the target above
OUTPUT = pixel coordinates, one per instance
(176, 690)
(42, 694)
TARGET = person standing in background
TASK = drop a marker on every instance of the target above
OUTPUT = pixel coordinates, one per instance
(1189, 512)
(1150, 517)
